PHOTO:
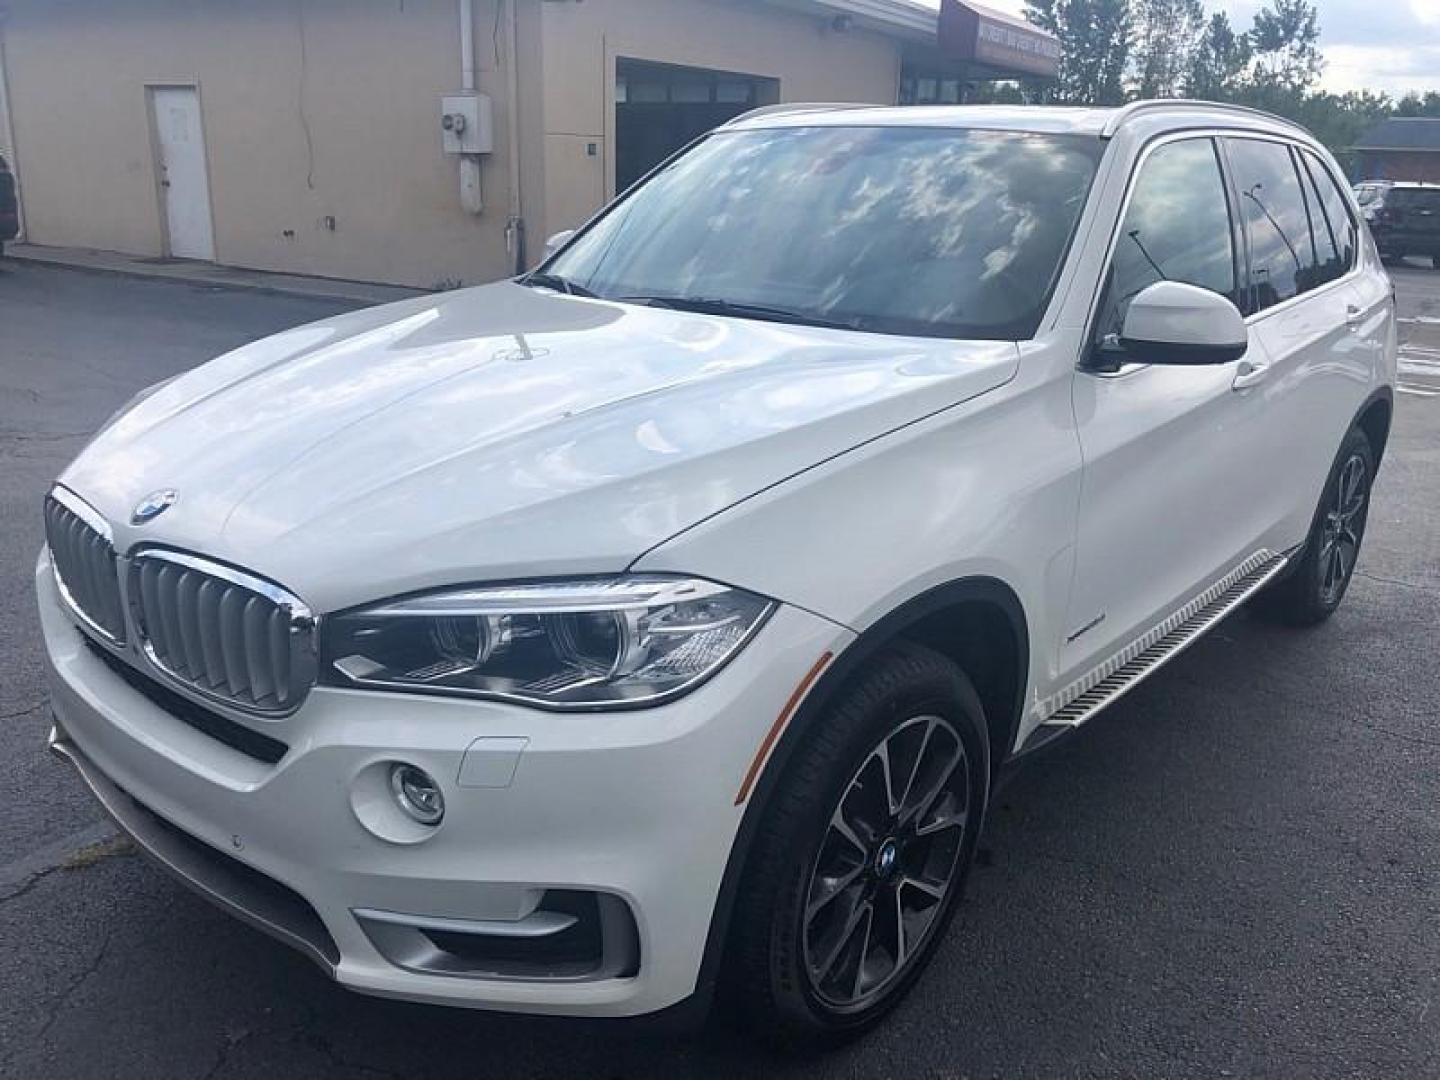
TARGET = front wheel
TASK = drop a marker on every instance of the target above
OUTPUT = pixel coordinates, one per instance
(863, 852)
(1313, 590)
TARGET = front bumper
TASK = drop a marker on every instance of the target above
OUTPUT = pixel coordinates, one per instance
(637, 808)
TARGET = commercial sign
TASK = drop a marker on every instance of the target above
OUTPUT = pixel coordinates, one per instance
(971, 32)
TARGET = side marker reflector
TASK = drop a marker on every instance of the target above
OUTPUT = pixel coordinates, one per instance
(779, 725)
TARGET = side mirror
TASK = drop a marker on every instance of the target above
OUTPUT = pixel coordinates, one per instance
(1174, 323)
(556, 242)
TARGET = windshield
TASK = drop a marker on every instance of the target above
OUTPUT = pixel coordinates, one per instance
(921, 231)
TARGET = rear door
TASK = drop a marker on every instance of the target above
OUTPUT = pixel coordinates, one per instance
(1306, 314)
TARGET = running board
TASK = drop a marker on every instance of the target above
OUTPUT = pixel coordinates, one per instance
(1146, 655)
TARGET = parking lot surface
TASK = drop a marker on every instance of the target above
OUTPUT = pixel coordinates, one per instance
(1235, 871)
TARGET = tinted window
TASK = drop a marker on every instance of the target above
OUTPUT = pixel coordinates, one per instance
(1176, 228)
(1413, 199)
(1322, 255)
(1339, 225)
(1273, 208)
(927, 231)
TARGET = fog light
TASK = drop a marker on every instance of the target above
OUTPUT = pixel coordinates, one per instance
(417, 793)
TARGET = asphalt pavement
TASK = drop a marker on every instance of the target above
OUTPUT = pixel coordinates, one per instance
(1235, 871)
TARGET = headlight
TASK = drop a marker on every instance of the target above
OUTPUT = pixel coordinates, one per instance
(606, 643)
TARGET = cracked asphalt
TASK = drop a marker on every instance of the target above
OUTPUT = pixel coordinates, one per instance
(1233, 872)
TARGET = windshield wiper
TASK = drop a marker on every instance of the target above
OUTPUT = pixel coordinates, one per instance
(704, 305)
(537, 280)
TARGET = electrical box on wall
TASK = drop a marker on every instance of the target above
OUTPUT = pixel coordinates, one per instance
(467, 123)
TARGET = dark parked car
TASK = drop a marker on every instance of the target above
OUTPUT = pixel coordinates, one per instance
(9, 214)
(1404, 217)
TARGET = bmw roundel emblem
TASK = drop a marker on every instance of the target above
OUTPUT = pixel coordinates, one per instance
(153, 505)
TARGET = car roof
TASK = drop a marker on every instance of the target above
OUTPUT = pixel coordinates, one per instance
(1102, 123)
(1037, 118)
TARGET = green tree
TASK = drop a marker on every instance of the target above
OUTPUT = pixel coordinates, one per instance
(1167, 35)
(1285, 40)
(1412, 104)
(1338, 120)
(1095, 37)
(1219, 62)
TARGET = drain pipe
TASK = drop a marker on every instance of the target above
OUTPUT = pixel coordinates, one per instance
(8, 133)
(472, 195)
(515, 224)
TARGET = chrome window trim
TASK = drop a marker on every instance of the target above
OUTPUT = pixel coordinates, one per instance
(1178, 135)
(304, 630)
(92, 519)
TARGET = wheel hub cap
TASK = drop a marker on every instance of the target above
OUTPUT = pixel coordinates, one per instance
(887, 862)
(1344, 525)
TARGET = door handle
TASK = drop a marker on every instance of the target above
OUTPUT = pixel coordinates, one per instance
(1249, 373)
(1353, 317)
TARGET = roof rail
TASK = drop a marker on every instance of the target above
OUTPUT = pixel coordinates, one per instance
(1126, 113)
(797, 107)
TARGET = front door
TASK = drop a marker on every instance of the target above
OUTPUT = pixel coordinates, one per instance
(184, 181)
(1173, 494)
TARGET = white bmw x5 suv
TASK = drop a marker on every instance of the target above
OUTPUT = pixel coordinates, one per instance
(659, 622)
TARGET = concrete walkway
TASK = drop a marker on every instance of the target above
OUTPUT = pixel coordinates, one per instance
(188, 272)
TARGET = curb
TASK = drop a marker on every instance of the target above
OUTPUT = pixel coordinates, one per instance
(322, 290)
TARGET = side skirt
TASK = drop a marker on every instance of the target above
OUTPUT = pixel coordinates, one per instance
(1117, 676)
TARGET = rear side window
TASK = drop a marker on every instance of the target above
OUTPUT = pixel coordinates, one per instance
(1277, 221)
(1338, 223)
(1414, 199)
(1176, 228)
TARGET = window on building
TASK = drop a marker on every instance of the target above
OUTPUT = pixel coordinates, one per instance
(1176, 228)
(661, 107)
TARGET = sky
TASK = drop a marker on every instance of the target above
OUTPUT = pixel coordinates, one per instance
(1381, 45)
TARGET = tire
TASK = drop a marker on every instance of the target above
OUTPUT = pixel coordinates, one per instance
(1435, 262)
(1313, 591)
(923, 711)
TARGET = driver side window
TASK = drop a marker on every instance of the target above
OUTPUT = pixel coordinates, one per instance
(1176, 228)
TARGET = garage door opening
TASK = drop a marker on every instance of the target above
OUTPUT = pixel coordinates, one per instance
(659, 108)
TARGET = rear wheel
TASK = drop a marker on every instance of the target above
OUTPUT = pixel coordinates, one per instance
(862, 857)
(1313, 590)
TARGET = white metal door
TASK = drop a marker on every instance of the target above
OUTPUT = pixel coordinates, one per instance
(1322, 344)
(1176, 491)
(180, 143)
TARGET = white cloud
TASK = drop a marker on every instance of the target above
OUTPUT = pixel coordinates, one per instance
(1427, 11)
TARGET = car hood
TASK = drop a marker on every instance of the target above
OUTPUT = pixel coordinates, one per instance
(499, 432)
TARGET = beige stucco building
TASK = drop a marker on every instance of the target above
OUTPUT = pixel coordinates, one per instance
(306, 136)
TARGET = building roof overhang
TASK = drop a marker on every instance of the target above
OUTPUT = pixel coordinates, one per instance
(899, 18)
(991, 44)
